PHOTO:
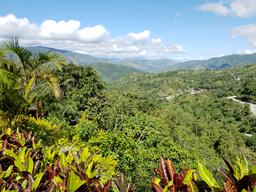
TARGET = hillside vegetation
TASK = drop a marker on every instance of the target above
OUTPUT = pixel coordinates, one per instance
(92, 131)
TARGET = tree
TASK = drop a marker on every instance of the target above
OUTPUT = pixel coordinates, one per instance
(27, 74)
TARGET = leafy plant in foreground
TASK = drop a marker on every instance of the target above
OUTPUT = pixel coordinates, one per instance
(23, 166)
(123, 185)
(172, 181)
(237, 178)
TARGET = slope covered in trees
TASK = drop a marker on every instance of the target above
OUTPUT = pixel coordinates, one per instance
(184, 116)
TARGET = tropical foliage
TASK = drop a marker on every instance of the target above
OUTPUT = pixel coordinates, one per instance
(185, 116)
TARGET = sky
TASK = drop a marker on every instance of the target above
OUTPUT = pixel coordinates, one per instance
(176, 29)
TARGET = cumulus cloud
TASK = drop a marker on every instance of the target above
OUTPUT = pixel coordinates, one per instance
(94, 40)
(63, 30)
(247, 32)
(217, 8)
(142, 36)
(238, 8)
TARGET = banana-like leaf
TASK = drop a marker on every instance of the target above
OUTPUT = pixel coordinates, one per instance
(11, 154)
(90, 172)
(69, 158)
(74, 182)
(22, 154)
(30, 166)
(188, 177)
(37, 181)
(19, 165)
(85, 155)
(207, 176)
(242, 168)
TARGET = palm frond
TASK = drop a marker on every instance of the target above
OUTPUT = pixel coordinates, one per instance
(53, 83)
(23, 54)
(4, 79)
(50, 59)
(11, 68)
(28, 87)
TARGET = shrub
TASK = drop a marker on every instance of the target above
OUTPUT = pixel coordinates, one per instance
(24, 165)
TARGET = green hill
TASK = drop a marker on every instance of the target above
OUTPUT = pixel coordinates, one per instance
(217, 62)
(107, 71)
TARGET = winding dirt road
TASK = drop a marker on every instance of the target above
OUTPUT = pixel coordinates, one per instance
(252, 106)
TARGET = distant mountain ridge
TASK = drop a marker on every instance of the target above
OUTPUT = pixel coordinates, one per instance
(154, 65)
(108, 72)
(218, 62)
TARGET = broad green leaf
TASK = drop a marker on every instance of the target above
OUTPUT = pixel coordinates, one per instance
(63, 161)
(207, 176)
(19, 165)
(188, 178)
(57, 180)
(243, 167)
(8, 171)
(11, 154)
(90, 172)
(30, 165)
(22, 154)
(37, 181)
(85, 155)
(74, 182)
(69, 158)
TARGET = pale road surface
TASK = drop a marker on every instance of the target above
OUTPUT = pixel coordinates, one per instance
(252, 106)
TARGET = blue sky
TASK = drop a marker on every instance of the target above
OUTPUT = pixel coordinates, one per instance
(179, 29)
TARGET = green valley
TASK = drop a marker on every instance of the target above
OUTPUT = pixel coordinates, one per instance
(184, 115)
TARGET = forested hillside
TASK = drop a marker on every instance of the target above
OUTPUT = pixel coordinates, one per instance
(92, 131)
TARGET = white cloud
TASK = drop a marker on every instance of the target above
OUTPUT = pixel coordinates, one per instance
(94, 40)
(217, 8)
(142, 36)
(96, 33)
(156, 41)
(243, 8)
(246, 31)
(238, 8)
(10, 25)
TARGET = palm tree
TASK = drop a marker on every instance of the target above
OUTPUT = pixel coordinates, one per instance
(30, 74)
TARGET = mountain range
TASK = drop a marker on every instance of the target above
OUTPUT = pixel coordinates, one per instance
(113, 68)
